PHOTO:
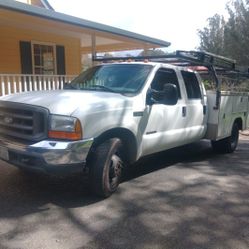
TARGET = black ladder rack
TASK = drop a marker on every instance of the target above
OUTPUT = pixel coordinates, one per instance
(185, 58)
(191, 57)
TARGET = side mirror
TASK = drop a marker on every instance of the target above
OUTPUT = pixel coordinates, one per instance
(168, 96)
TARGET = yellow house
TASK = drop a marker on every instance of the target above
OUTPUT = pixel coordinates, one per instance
(36, 41)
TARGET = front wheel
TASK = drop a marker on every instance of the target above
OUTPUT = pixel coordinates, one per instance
(105, 167)
(229, 144)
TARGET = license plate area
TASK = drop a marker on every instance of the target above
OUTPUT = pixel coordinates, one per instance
(4, 153)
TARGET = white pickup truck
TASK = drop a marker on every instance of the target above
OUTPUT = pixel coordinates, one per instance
(113, 114)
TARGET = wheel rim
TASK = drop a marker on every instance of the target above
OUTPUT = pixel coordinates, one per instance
(115, 170)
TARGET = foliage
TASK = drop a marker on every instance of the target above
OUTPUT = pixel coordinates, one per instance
(152, 52)
(228, 37)
(212, 37)
(227, 84)
(209, 84)
(107, 55)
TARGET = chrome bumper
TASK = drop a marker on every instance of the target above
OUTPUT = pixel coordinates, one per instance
(45, 154)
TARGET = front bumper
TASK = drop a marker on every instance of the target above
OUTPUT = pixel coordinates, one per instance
(47, 155)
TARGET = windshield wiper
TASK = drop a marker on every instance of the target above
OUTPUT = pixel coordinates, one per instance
(103, 87)
(69, 86)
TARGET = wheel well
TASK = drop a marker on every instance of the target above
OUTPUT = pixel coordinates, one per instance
(127, 138)
(238, 121)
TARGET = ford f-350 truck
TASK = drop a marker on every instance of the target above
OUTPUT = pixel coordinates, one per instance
(115, 113)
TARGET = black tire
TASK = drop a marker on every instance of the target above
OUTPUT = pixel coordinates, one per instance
(105, 167)
(229, 144)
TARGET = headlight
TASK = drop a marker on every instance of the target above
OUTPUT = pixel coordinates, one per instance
(64, 127)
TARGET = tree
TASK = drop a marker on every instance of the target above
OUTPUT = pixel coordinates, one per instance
(152, 52)
(229, 38)
(236, 36)
(212, 36)
(107, 55)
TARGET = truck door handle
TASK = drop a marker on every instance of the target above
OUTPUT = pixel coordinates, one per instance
(204, 110)
(184, 111)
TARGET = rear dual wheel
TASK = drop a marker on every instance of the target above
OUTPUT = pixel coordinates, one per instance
(229, 144)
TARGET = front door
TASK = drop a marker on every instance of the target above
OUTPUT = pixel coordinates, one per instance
(166, 124)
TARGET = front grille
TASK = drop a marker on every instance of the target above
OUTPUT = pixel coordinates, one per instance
(23, 121)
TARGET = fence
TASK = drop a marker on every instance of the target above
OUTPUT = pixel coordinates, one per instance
(15, 83)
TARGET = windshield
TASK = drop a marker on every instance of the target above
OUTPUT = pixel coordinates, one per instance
(119, 78)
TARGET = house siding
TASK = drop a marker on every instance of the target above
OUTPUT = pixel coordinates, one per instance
(10, 62)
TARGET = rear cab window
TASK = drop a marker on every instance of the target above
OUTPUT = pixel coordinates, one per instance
(192, 85)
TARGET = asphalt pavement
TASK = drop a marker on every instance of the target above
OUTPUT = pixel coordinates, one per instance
(186, 198)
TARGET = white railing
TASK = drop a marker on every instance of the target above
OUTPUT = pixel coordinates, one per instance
(15, 83)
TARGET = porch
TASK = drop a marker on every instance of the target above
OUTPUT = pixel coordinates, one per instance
(17, 83)
(42, 49)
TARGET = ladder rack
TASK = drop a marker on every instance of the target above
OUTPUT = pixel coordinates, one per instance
(186, 58)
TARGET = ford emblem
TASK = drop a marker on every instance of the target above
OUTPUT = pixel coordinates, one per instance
(8, 120)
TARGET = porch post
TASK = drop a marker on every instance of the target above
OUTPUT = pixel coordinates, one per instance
(93, 48)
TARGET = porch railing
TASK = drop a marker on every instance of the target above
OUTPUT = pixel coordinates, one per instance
(15, 83)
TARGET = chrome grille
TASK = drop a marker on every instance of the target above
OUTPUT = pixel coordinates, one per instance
(23, 121)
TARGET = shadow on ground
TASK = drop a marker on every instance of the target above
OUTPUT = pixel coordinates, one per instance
(183, 198)
(73, 191)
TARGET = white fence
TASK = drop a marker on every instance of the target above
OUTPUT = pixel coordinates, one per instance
(14, 83)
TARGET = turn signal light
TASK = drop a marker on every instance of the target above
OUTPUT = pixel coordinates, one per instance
(68, 135)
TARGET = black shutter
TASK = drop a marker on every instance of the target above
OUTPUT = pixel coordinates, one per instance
(26, 57)
(60, 60)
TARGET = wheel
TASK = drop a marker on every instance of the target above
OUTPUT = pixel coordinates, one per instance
(229, 144)
(105, 167)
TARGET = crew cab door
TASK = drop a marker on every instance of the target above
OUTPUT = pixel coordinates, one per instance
(196, 107)
(165, 124)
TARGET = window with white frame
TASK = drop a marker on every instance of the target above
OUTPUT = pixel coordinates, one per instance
(44, 61)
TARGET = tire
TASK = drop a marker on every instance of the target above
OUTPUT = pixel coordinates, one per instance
(105, 167)
(229, 144)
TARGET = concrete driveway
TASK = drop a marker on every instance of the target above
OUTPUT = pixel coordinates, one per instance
(187, 198)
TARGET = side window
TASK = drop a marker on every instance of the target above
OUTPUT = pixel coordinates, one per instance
(165, 76)
(192, 85)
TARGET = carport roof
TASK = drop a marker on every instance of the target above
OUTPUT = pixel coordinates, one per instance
(52, 15)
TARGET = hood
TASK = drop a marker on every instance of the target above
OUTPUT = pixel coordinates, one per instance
(65, 102)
